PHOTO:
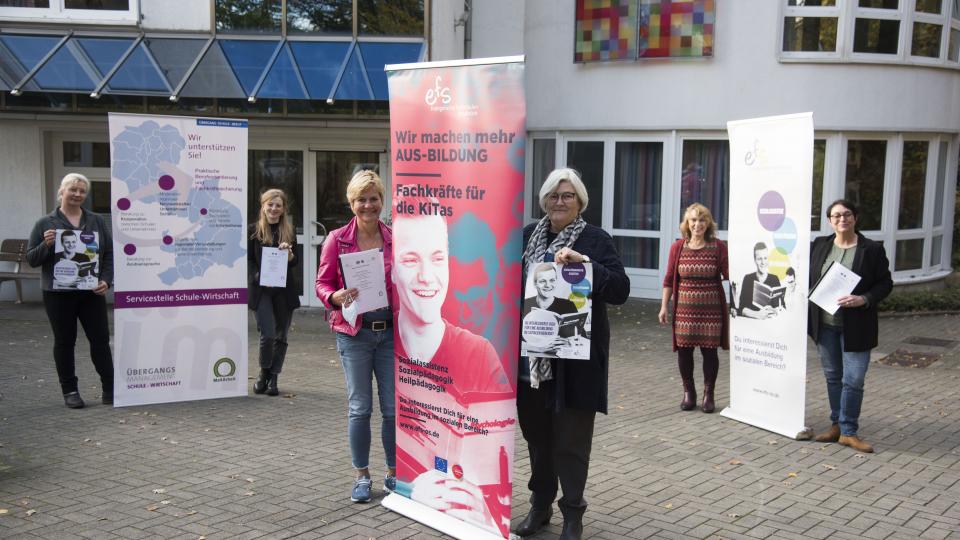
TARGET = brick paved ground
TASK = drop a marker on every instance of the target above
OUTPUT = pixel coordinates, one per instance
(260, 467)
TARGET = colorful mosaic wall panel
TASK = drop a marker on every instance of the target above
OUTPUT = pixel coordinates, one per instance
(606, 30)
(676, 28)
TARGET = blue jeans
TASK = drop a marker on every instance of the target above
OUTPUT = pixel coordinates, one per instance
(845, 372)
(364, 356)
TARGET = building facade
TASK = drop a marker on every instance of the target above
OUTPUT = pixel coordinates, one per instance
(649, 134)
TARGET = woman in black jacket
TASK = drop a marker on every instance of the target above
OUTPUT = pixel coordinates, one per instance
(272, 306)
(72, 291)
(845, 338)
(557, 399)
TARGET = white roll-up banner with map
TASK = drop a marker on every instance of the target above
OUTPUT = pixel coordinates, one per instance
(179, 219)
(771, 174)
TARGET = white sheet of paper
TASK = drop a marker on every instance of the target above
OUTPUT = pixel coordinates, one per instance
(273, 267)
(838, 281)
(365, 272)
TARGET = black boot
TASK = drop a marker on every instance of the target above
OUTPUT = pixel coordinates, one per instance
(272, 389)
(535, 520)
(260, 386)
(708, 404)
(689, 396)
(572, 528)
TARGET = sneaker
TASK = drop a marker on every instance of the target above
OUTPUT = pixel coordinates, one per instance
(389, 483)
(73, 400)
(361, 490)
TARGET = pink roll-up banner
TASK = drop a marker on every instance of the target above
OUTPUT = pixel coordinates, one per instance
(179, 207)
(457, 133)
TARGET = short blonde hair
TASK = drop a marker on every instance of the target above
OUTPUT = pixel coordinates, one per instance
(69, 180)
(361, 181)
(701, 211)
(559, 175)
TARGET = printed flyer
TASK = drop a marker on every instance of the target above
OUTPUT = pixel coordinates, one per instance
(78, 261)
(458, 140)
(179, 213)
(556, 311)
(771, 175)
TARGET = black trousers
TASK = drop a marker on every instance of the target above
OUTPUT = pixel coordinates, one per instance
(559, 445)
(64, 309)
(273, 321)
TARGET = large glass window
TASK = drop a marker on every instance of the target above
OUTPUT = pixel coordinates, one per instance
(323, 16)
(936, 250)
(705, 177)
(587, 158)
(86, 154)
(106, 5)
(636, 189)
(390, 17)
(866, 161)
(819, 29)
(544, 157)
(913, 181)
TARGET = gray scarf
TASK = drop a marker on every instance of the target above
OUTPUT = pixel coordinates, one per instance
(541, 369)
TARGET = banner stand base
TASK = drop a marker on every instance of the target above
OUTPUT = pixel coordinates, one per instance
(800, 433)
(437, 520)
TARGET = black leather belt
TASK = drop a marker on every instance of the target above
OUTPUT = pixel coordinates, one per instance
(377, 326)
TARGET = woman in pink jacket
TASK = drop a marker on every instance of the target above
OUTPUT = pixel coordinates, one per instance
(366, 348)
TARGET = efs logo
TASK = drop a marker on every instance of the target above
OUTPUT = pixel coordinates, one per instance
(438, 93)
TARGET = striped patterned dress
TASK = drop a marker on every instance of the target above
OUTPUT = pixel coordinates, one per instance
(698, 321)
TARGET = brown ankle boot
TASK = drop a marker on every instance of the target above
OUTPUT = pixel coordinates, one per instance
(856, 443)
(831, 435)
(707, 406)
(689, 396)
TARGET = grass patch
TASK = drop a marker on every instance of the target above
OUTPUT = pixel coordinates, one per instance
(947, 299)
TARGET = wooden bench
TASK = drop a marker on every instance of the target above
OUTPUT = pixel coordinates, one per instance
(14, 266)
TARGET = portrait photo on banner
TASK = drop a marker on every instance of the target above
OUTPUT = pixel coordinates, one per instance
(77, 266)
(556, 311)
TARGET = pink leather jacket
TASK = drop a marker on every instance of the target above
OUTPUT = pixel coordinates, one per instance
(330, 278)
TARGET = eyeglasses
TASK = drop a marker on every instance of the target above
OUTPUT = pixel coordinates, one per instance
(838, 217)
(566, 196)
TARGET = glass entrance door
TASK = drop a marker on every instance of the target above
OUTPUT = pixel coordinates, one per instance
(334, 170)
(281, 169)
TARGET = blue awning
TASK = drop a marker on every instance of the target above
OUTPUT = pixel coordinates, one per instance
(200, 66)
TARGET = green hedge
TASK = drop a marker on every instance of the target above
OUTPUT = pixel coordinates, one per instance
(945, 300)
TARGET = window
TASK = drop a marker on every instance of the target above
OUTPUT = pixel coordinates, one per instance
(816, 202)
(872, 30)
(705, 177)
(638, 173)
(390, 17)
(586, 157)
(866, 161)
(323, 16)
(636, 188)
(938, 195)
(74, 11)
(913, 181)
(544, 157)
(811, 26)
(86, 154)
(909, 255)
(328, 17)
(257, 16)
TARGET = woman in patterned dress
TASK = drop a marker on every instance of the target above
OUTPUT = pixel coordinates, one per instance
(697, 265)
